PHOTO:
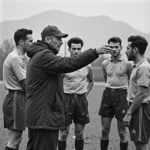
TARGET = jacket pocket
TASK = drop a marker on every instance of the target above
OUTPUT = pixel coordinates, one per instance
(57, 104)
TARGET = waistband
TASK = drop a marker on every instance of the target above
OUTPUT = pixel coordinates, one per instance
(141, 103)
(13, 91)
(113, 90)
(75, 95)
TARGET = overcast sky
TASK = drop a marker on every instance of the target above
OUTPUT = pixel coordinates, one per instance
(134, 12)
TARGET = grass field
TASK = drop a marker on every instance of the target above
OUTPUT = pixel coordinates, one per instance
(92, 130)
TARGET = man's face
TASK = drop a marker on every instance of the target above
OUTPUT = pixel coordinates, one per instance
(27, 42)
(56, 42)
(75, 49)
(129, 52)
(117, 48)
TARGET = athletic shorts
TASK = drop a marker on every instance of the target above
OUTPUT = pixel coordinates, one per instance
(76, 109)
(114, 103)
(14, 110)
(140, 124)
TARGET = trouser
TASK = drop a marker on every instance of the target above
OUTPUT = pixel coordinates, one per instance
(42, 139)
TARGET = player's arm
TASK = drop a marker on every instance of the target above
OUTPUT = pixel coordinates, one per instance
(90, 79)
(104, 71)
(129, 69)
(138, 99)
(143, 83)
(135, 104)
(19, 70)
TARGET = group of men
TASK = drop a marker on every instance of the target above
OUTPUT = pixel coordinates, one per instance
(51, 91)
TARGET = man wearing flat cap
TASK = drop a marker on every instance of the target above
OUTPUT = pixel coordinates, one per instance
(45, 112)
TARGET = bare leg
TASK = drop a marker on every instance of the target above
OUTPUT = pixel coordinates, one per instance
(14, 138)
(79, 141)
(141, 146)
(63, 134)
(106, 124)
(122, 130)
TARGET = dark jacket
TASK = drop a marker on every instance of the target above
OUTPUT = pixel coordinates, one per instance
(44, 90)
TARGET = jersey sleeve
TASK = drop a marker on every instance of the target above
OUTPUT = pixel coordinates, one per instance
(104, 69)
(129, 68)
(19, 68)
(143, 76)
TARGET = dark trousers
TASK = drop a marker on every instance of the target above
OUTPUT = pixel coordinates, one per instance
(42, 139)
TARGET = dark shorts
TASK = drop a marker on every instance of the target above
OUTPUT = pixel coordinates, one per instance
(76, 107)
(140, 124)
(14, 110)
(114, 103)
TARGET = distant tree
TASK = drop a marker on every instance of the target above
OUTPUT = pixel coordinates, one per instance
(5, 48)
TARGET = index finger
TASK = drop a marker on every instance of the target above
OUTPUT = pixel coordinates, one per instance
(108, 48)
(106, 45)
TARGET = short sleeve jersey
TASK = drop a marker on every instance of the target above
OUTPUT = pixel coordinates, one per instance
(76, 82)
(14, 70)
(117, 73)
(140, 77)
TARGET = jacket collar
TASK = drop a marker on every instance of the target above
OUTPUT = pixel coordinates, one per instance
(49, 46)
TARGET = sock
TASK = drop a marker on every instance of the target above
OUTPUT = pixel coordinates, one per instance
(79, 144)
(8, 148)
(62, 145)
(104, 144)
(123, 146)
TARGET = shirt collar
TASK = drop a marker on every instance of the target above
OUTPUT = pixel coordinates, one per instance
(140, 62)
(20, 55)
(118, 59)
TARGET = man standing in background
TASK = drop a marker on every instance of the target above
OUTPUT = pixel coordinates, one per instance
(138, 115)
(14, 75)
(116, 71)
(77, 86)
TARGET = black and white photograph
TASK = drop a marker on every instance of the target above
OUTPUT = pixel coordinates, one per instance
(74, 74)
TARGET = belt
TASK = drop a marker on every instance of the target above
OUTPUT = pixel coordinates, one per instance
(75, 95)
(113, 90)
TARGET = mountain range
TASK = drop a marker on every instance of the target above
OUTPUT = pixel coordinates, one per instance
(95, 31)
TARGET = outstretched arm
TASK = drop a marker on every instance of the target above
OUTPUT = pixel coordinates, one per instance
(90, 79)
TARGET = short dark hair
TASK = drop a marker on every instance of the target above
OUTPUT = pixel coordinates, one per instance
(75, 40)
(115, 40)
(138, 42)
(21, 34)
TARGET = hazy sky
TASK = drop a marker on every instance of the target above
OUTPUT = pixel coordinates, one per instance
(134, 12)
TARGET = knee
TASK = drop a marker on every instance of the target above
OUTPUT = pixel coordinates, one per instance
(123, 136)
(141, 146)
(14, 142)
(64, 136)
(18, 141)
(79, 135)
(105, 132)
